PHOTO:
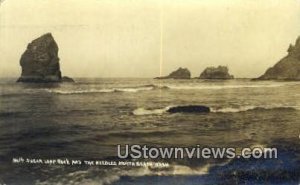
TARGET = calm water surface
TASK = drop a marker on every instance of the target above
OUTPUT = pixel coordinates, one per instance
(89, 118)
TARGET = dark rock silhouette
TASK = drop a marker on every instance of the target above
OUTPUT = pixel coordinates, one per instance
(180, 73)
(220, 72)
(189, 109)
(287, 68)
(40, 62)
(67, 79)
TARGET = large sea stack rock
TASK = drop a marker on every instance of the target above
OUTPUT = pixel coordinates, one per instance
(180, 73)
(40, 62)
(220, 72)
(287, 68)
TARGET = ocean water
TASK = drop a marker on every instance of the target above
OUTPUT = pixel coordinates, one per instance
(89, 118)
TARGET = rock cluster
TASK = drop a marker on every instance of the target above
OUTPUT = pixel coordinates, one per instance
(180, 73)
(220, 72)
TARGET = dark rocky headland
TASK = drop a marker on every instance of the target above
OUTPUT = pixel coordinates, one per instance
(180, 73)
(40, 62)
(287, 68)
(220, 73)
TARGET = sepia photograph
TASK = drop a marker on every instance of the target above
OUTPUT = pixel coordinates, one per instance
(149, 92)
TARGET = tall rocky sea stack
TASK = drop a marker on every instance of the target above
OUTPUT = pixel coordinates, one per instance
(40, 62)
(220, 72)
(287, 68)
(180, 73)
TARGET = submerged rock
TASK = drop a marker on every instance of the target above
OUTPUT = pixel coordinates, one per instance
(287, 68)
(180, 73)
(220, 72)
(189, 109)
(67, 79)
(40, 61)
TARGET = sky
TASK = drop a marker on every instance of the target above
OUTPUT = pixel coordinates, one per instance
(149, 38)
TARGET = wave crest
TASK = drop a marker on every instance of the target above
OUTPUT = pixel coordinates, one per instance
(252, 108)
(113, 175)
(143, 111)
(150, 87)
(108, 90)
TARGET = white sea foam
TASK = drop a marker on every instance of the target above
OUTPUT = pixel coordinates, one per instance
(114, 174)
(232, 109)
(143, 111)
(249, 108)
(81, 91)
(219, 87)
(162, 87)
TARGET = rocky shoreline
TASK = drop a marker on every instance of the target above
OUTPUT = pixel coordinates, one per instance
(288, 68)
(40, 64)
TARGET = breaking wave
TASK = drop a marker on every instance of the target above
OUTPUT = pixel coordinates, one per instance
(113, 175)
(161, 87)
(108, 90)
(252, 108)
(219, 87)
(143, 111)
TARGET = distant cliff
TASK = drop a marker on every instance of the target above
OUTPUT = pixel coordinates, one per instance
(220, 72)
(180, 73)
(40, 62)
(287, 68)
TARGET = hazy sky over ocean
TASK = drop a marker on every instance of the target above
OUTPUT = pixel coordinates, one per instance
(121, 38)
